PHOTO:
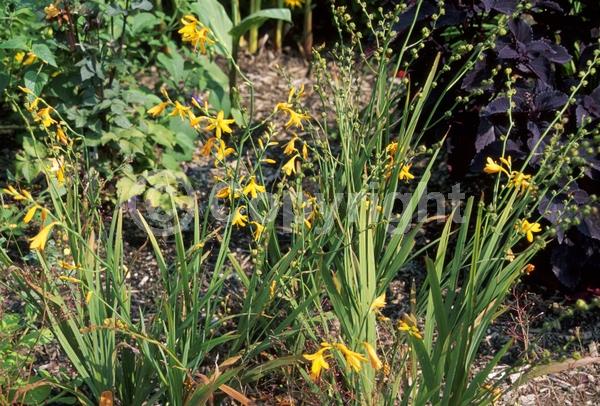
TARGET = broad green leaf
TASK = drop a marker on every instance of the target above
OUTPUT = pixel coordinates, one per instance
(161, 135)
(212, 14)
(174, 64)
(142, 21)
(142, 5)
(43, 52)
(258, 18)
(127, 188)
(15, 43)
(35, 81)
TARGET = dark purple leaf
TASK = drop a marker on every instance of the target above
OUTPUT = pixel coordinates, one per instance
(484, 139)
(539, 47)
(507, 52)
(488, 4)
(521, 30)
(496, 106)
(474, 78)
(596, 94)
(580, 113)
(559, 54)
(550, 5)
(562, 258)
(550, 100)
(591, 226)
(503, 6)
(541, 68)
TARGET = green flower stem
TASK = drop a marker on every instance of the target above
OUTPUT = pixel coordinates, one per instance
(279, 30)
(308, 33)
(253, 37)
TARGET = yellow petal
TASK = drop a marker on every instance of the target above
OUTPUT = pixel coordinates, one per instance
(39, 241)
(30, 213)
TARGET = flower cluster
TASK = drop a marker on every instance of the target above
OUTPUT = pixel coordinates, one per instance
(294, 120)
(194, 32)
(353, 359)
(516, 179)
(38, 242)
(217, 124)
(404, 173)
(54, 13)
(293, 3)
(408, 324)
(527, 228)
(44, 115)
(25, 59)
(521, 182)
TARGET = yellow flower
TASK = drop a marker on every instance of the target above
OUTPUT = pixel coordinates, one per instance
(224, 193)
(223, 151)
(290, 148)
(88, 297)
(528, 229)
(30, 213)
(239, 219)
(51, 11)
(308, 222)
(106, 398)
(295, 118)
(353, 359)
(378, 303)
(318, 361)
(494, 391)
(293, 3)
(44, 116)
(272, 290)
(19, 56)
(58, 168)
(190, 32)
(39, 241)
(189, 23)
(299, 93)
(158, 109)
(253, 188)
(208, 146)
(492, 167)
(507, 162)
(180, 110)
(23, 195)
(304, 151)
(259, 228)
(391, 149)
(409, 324)
(405, 174)
(24, 89)
(69, 279)
(219, 124)
(373, 358)
(195, 121)
(68, 266)
(528, 269)
(268, 161)
(62, 137)
(519, 180)
(33, 105)
(283, 106)
(290, 166)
